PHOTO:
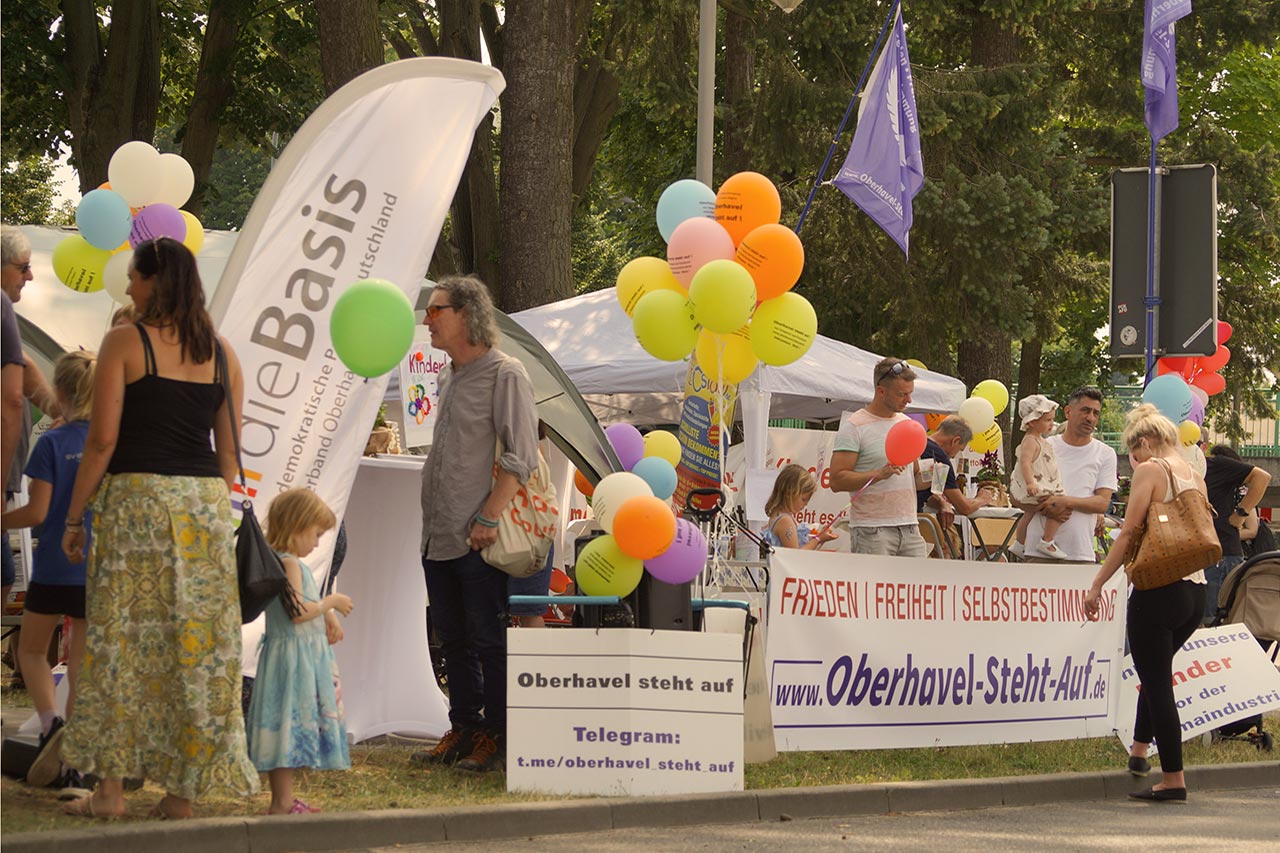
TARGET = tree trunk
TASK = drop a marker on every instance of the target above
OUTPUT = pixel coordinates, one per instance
(595, 101)
(350, 43)
(739, 87)
(474, 213)
(537, 154)
(212, 90)
(1028, 383)
(114, 96)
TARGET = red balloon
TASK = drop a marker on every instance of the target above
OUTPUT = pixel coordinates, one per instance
(1217, 361)
(1191, 368)
(1224, 331)
(904, 442)
(1170, 364)
(1210, 383)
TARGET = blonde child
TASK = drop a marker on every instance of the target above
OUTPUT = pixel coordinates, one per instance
(295, 715)
(792, 491)
(56, 587)
(1035, 474)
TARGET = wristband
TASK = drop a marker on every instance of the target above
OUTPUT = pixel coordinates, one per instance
(75, 524)
(486, 522)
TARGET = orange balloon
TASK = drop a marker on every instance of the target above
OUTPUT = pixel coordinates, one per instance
(746, 201)
(774, 256)
(584, 485)
(1210, 383)
(1217, 361)
(933, 420)
(644, 527)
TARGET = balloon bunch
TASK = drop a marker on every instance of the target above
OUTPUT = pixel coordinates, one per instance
(139, 202)
(641, 531)
(724, 288)
(989, 399)
(1202, 372)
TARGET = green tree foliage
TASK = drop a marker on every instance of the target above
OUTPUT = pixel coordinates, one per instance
(28, 196)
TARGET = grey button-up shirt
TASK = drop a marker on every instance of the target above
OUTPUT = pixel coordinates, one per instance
(487, 401)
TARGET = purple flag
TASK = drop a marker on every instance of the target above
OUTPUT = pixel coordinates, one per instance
(884, 171)
(1159, 65)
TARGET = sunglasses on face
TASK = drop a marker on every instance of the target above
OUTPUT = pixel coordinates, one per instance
(893, 370)
(433, 311)
(25, 268)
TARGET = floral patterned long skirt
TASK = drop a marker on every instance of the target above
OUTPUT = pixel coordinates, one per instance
(159, 690)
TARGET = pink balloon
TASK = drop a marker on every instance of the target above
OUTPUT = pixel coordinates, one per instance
(695, 242)
(627, 442)
(157, 220)
(685, 559)
(904, 442)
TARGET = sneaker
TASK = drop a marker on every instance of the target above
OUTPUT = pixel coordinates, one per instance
(47, 767)
(455, 744)
(72, 785)
(487, 754)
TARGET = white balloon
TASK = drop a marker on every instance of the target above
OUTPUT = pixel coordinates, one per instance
(115, 276)
(978, 413)
(177, 180)
(134, 172)
(612, 492)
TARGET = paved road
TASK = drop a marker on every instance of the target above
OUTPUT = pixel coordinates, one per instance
(1216, 820)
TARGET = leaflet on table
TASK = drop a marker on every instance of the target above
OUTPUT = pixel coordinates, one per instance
(870, 652)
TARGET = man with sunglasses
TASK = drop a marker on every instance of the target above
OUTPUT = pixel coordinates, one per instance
(882, 510)
(485, 446)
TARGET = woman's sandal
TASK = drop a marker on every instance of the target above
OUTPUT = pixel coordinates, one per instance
(83, 807)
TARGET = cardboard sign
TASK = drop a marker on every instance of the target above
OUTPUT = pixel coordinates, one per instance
(419, 394)
(1219, 675)
(620, 712)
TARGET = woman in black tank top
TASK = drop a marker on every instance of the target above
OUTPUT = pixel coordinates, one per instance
(160, 686)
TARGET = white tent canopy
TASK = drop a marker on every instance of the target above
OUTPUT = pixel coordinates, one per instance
(591, 338)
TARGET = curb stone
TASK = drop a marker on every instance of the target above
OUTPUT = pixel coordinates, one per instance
(361, 830)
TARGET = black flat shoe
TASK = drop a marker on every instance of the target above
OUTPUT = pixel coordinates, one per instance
(1139, 766)
(1162, 795)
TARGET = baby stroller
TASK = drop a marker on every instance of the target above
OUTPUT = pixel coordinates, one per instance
(1250, 595)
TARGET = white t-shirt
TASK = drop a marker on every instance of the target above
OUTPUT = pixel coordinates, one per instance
(1083, 470)
(888, 503)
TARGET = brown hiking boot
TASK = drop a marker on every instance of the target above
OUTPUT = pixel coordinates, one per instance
(488, 753)
(453, 745)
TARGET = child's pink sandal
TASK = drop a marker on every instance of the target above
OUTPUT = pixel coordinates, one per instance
(299, 807)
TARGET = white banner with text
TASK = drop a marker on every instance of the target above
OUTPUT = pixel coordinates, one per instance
(620, 712)
(1220, 675)
(872, 652)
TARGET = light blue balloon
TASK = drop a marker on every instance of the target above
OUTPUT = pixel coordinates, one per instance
(104, 219)
(659, 474)
(1171, 395)
(683, 200)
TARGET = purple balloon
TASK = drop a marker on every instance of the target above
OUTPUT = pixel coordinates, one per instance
(685, 559)
(627, 442)
(157, 220)
(1196, 415)
(918, 417)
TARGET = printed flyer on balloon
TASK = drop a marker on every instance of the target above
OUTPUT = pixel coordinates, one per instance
(873, 652)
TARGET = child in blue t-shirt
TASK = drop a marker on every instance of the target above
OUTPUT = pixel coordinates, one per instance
(56, 586)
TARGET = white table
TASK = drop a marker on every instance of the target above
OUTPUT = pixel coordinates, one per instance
(387, 681)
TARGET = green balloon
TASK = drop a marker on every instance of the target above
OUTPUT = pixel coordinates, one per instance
(372, 327)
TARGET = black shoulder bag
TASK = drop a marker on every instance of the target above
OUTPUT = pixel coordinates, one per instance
(259, 571)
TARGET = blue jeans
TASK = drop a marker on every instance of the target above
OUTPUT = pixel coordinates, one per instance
(1215, 575)
(468, 600)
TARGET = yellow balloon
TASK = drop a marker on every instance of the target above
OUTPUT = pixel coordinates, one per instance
(663, 445)
(664, 325)
(1189, 432)
(78, 264)
(738, 358)
(723, 294)
(915, 362)
(987, 440)
(195, 232)
(783, 329)
(642, 276)
(994, 392)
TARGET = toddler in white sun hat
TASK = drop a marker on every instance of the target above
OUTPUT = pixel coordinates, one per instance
(1035, 474)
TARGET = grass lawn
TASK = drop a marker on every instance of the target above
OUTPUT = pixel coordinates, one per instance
(382, 775)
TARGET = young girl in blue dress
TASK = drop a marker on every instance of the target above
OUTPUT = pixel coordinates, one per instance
(295, 715)
(56, 586)
(792, 491)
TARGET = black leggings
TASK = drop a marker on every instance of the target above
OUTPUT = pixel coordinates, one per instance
(1159, 622)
